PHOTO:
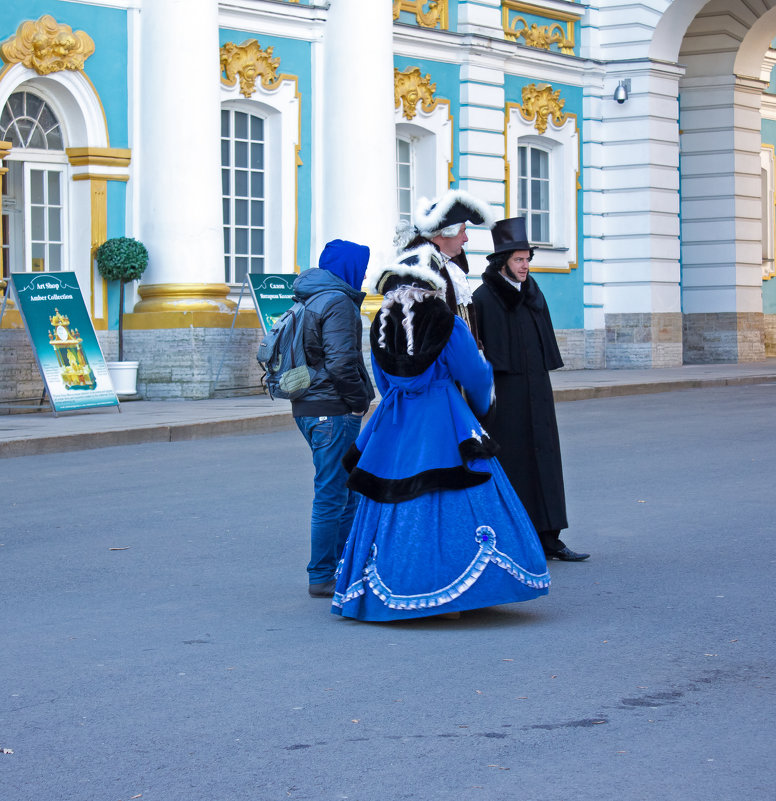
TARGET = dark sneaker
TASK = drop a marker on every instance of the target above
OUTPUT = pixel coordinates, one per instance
(325, 590)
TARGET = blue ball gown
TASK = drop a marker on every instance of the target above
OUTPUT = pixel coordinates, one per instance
(439, 528)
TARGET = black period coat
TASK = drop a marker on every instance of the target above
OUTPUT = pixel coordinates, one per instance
(517, 335)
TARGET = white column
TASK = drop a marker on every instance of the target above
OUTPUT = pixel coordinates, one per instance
(358, 195)
(179, 150)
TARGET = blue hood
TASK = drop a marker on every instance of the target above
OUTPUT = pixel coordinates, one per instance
(346, 260)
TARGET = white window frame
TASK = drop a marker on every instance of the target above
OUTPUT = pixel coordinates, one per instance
(768, 176)
(551, 184)
(410, 142)
(562, 144)
(45, 166)
(280, 108)
(430, 135)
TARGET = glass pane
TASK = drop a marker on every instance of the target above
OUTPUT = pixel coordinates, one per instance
(227, 271)
(47, 120)
(16, 102)
(55, 257)
(14, 136)
(257, 129)
(25, 128)
(522, 164)
(54, 139)
(225, 123)
(38, 255)
(544, 196)
(34, 105)
(241, 212)
(405, 202)
(404, 175)
(257, 212)
(240, 240)
(402, 150)
(257, 264)
(37, 139)
(536, 194)
(241, 183)
(224, 153)
(54, 227)
(53, 188)
(224, 182)
(240, 154)
(257, 241)
(522, 193)
(544, 165)
(240, 269)
(37, 223)
(257, 156)
(227, 242)
(535, 162)
(257, 184)
(545, 227)
(240, 125)
(225, 209)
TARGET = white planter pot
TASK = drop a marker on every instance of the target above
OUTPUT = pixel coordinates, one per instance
(123, 376)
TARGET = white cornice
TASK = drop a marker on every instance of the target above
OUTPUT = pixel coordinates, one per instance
(273, 18)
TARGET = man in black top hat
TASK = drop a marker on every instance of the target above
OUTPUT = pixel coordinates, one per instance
(519, 341)
(442, 222)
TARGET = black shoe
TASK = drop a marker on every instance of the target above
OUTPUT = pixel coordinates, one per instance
(567, 555)
(325, 590)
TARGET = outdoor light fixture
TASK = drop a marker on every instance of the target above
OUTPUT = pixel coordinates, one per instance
(622, 91)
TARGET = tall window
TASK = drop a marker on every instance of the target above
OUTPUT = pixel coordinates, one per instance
(243, 193)
(33, 190)
(404, 178)
(533, 196)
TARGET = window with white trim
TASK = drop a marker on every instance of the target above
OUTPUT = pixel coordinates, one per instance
(34, 211)
(405, 194)
(243, 193)
(542, 186)
(533, 194)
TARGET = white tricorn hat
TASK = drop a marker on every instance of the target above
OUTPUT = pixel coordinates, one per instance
(421, 264)
(453, 208)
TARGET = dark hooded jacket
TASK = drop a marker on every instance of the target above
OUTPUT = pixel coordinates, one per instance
(332, 332)
(518, 340)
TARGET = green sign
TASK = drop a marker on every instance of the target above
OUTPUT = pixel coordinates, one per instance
(273, 294)
(62, 336)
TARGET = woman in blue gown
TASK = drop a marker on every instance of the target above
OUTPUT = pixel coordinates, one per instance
(439, 528)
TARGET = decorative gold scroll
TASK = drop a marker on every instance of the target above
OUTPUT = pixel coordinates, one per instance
(541, 103)
(435, 15)
(47, 46)
(409, 87)
(541, 37)
(249, 62)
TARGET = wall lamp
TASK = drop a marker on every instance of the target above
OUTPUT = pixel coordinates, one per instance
(622, 91)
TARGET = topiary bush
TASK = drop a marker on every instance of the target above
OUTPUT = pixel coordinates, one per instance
(121, 259)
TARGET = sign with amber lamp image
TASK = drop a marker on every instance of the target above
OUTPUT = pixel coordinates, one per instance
(69, 356)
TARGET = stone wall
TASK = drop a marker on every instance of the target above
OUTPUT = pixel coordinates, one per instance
(769, 332)
(643, 340)
(724, 337)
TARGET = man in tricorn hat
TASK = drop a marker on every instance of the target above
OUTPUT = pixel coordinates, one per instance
(442, 222)
(518, 339)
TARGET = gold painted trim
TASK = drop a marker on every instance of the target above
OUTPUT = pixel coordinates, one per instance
(540, 36)
(508, 108)
(47, 46)
(184, 298)
(93, 176)
(436, 15)
(411, 88)
(539, 11)
(165, 320)
(247, 61)
(540, 103)
(98, 156)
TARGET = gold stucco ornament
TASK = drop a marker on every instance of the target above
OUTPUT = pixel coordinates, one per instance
(541, 103)
(409, 87)
(435, 14)
(47, 46)
(248, 62)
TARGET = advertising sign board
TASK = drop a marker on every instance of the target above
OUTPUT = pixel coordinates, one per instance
(63, 340)
(273, 294)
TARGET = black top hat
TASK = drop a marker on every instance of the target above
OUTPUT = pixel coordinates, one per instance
(509, 235)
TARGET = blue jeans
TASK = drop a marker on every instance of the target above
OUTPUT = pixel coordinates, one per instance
(334, 505)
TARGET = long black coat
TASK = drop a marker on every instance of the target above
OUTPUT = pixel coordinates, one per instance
(517, 335)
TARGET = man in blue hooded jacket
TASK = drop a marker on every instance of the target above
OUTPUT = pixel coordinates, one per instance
(329, 414)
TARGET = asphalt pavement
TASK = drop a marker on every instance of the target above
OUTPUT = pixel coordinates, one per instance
(138, 421)
(159, 644)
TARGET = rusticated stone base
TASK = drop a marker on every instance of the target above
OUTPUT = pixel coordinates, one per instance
(643, 340)
(769, 331)
(724, 337)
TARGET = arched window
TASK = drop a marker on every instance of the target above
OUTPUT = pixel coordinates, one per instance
(533, 191)
(243, 193)
(33, 189)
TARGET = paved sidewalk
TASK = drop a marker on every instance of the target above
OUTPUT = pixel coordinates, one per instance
(169, 421)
